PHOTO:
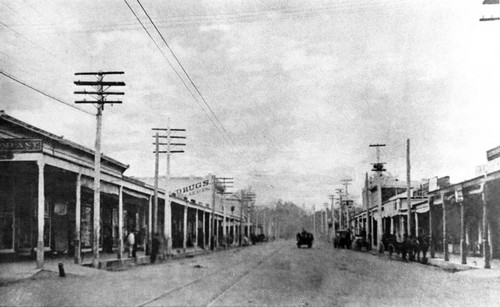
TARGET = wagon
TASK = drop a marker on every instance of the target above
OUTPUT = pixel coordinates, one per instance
(305, 238)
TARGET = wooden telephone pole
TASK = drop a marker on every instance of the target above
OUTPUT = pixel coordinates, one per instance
(225, 182)
(379, 168)
(247, 196)
(408, 189)
(99, 92)
(346, 183)
(167, 225)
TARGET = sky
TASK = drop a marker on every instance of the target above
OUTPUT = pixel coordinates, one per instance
(294, 92)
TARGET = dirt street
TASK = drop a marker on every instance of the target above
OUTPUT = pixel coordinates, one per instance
(276, 273)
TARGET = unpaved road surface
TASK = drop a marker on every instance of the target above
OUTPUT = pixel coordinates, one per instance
(275, 273)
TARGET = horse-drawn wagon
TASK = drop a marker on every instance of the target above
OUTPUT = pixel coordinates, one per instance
(410, 246)
(305, 238)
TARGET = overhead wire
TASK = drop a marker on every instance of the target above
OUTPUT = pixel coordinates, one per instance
(186, 73)
(173, 68)
(33, 43)
(257, 16)
(41, 92)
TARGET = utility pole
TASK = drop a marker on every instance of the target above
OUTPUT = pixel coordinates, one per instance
(408, 189)
(368, 217)
(246, 198)
(326, 220)
(100, 88)
(314, 220)
(341, 210)
(334, 233)
(212, 219)
(170, 146)
(155, 203)
(379, 168)
(226, 182)
(346, 183)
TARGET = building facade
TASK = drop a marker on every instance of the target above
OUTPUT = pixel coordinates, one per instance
(46, 201)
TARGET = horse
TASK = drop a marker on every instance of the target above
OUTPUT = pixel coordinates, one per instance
(423, 246)
(404, 248)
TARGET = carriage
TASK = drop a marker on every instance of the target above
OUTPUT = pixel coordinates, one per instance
(342, 239)
(305, 238)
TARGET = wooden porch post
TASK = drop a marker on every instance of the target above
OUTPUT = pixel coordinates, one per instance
(150, 224)
(217, 226)
(486, 244)
(120, 223)
(463, 243)
(210, 226)
(431, 243)
(196, 230)
(445, 241)
(184, 231)
(416, 223)
(78, 218)
(41, 214)
(204, 235)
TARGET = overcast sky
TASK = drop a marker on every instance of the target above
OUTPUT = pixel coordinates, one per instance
(301, 88)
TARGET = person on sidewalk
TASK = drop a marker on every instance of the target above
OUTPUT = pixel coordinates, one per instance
(131, 244)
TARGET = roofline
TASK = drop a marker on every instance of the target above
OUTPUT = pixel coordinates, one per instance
(466, 183)
(59, 139)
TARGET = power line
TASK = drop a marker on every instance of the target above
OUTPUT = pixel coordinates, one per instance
(185, 72)
(34, 44)
(176, 72)
(42, 92)
(244, 17)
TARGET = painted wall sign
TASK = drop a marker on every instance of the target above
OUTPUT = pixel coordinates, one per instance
(195, 188)
(20, 145)
(487, 168)
(6, 156)
(433, 184)
(493, 153)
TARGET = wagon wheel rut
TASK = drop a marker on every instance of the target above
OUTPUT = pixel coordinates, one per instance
(194, 292)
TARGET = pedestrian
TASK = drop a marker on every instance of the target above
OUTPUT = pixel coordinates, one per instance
(131, 244)
(155, 247)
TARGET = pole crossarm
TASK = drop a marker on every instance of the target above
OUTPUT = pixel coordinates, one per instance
(171, 137)
(489, 18)
(100, 73)
(100, 83)
(171, 151)
(84, 92)
(167, 129)
(97, 101)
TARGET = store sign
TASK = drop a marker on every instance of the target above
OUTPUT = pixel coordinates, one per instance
(459, 196)
(493, 153)
(6, 156)
(20, 145)
(195, 188)
(433, 184)
(487, 168)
